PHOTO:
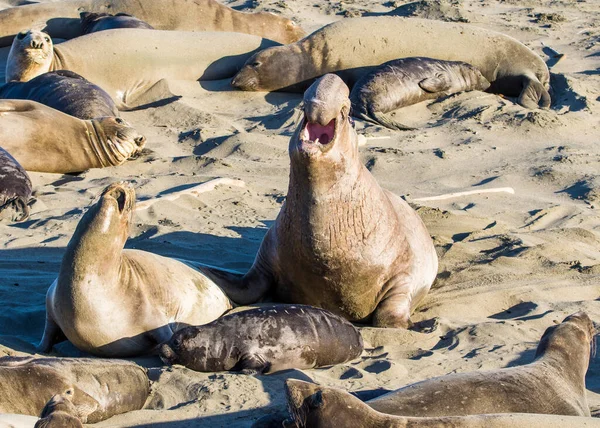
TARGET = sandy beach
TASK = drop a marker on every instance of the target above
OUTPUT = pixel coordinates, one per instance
(511, 265)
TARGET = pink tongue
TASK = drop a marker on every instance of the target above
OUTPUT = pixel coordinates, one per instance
(323, 133)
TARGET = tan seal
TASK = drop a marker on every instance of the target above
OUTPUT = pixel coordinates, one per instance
(46, 140)
(61, 19)
(114, 302)
(59, 412)
(340, 241)
(353, 46)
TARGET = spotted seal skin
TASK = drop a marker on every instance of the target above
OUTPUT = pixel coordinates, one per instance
(403, 82)
(96, 389)
(340, 241)
(64, 91)
(92, 22)
(554, 383)
(120, 303)
(266, 340)
(352, 47)
(15, 188)
(43, 139)
(314, 406)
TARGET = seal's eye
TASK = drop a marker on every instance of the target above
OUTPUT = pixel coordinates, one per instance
(256, 64)
(21, 35)
(69, 392)
(47, 39)
(119, 121)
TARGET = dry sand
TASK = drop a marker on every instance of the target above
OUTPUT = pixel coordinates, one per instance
(510, 264)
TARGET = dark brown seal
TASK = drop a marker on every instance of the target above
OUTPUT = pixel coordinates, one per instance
(403, 82)
(266, 340)
(15, 188)
(97, 389)
(92, 22)
(59, 412)
(64, 91)
(554, 383)
(340, 241)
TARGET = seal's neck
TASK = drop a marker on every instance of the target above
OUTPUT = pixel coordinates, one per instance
(104, 150)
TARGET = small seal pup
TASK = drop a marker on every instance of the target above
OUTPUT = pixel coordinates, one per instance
(351, 47)
(64, 91)
(132, 64)
(120, 303)
(266, 340)
(406, 81)
(60, 19)
(96, 389)
(92, 22)
(554, 383)
(314, 406)
(340, 241)
(46, 140)
(15, 188)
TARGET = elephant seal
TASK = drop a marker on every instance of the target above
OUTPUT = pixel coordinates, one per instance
(120, 303)
(131, 64)
(64, 91)
(340, 241)
(92, 22)
(59, 412)
(266, 340)
(15, 188)
(353, 46)
(314, 406)
(61, 19)
(403, 82)
(46, 140)
(554, 383)
(97, 389)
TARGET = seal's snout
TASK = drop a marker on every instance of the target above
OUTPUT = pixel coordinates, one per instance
(140, 141)
(318, 133)
(167, 355)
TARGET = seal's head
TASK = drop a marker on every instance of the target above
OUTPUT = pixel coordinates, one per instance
(30, 55)
(61, 412)
(271, 69)
(121, 140)
(176, 351)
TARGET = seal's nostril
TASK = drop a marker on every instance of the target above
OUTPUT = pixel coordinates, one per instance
(140, 140)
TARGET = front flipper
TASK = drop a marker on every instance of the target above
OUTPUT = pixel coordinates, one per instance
(383, 119)
(439, 83)
(52, 335)
(533, 95)
(393, 311)
(147, 94)
(252, 364)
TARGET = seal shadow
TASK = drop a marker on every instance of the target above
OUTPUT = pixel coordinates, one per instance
(563, 94)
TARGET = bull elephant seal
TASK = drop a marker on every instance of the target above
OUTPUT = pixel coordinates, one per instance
(61, 19)
(554, 383)
(64, 91)
(46, 140)
(97, 389)
(403, 82)
(131, 64)
(15, 188)
(314, 406)
(353, 46)
(118, 303)
(92, 22)
(266, 340)
(340, 241)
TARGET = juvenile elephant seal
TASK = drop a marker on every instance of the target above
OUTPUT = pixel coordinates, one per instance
(15, 188)
(340, 241)
(131, 64)
(118, 303)
(46, 140)
(61, 19)
(353, 46)
(64, 91)
(59, 412)
(92, 22)
(266, 340)
(403, 82)
(554, 383)
(96, 389)
(314, 406)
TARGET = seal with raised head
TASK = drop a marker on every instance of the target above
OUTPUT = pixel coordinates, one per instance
(403, 82)
(352, 47)
(118, 303)
(47, 140)
(131, 64)
(64, 91)
(266, 340)
(96, 389)
(340, 241)
(61, 19)
(59, 412)
(554, 383)
(92, 22)
(15, 188)
(314, 406)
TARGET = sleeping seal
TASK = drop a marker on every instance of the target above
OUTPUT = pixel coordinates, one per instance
(92, 22)
(15, 189)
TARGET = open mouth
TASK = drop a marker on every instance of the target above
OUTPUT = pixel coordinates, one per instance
(315, 135)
